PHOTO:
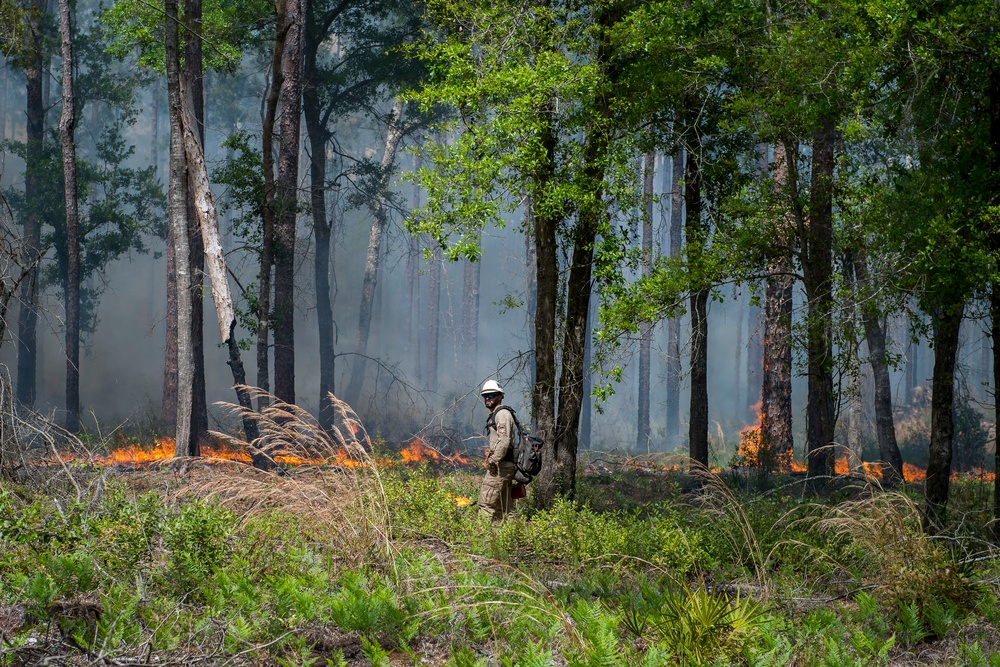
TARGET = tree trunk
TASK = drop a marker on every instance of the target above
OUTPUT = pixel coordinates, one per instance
(946, 331)
(673, 388)
(379, 219)
(530, 284)
(995, 336)
(738, 401)
(817, 264)
(319, 136)
(194, 81)
(580, 283)
(270, 206)
(433, 318)
(885, 429)
(67, 137)
(696, 239)
(208, 224)
(27, 323)
(543, 396)
(994, 110)
(178, 210)
(168, 407)
(646, 330)
(755, 364)
(287, 199)
(855, 455)
(470, 314)
(413, 309)
(776, 384)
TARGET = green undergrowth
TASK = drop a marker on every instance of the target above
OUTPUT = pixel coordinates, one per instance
(120, 569)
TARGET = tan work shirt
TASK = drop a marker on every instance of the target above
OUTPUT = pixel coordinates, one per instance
(501, 436)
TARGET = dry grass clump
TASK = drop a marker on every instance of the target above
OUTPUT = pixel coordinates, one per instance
(335, 485)
(893, 555)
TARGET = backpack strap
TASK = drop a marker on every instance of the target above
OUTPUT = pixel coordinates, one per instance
(492, 421)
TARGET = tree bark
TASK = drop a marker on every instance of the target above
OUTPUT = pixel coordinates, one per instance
(470, 313)
(433, 318)
(696, 238)
(947, 325)
(319, 136)
(379, 212)
(286, 196)
(194, 81)
(530, 283)
(269, 212)
(645, 333)
(208, 224)
(413, 301)
(817, 264)
(885, 429)
(178, 210)
(855, 454)
(27, 323)
(545, 224)
(776, 385)
(67, 138)
(755, 363)
(673, 388)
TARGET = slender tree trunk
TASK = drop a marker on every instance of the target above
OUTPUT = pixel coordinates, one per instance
(178, 210)
(738, 401)
(433, 319)
(818, 278)
(67, 137)
(319, 136)
(194, 78)
(470, 313)
(208, 227)
(995, 336)
(755, 333)
(776, 384)
(543, 397)
(851, 297)
(994, 110)
(270, 206)
(646, 330)
(379, 220)
(580, 283)
(885, 429)
(154, 148)
(168, 407)
(673, 388)
(587, 406)
(755, 363)
(27, 323)
(413, 301)
(530, 283)
(287, 199)
(696, 238)
(939, 454)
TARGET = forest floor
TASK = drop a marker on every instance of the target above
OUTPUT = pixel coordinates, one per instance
(386, 564)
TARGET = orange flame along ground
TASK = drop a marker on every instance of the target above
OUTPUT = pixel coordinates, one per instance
(131, 453)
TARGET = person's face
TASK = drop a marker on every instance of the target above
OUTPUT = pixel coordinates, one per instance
(492, 400)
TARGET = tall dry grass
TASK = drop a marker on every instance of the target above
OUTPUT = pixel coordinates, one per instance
(337, 485)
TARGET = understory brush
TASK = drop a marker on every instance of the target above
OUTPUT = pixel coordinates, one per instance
(387, 565)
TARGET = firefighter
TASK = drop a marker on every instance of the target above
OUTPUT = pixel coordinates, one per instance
(494, 495)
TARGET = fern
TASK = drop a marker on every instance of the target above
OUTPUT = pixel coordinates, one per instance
(376, 655)
(940, 617)
(910, 626)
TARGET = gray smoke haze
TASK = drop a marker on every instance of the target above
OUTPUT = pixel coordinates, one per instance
(122, 362)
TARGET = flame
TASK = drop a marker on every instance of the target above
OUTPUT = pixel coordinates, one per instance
(416, 451)
(461, 501)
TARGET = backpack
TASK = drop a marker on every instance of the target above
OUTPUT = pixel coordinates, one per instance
(526, 453)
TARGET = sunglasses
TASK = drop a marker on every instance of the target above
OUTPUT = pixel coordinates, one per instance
(488, 397)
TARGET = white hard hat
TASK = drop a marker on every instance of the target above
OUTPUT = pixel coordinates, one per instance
(491, 387)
